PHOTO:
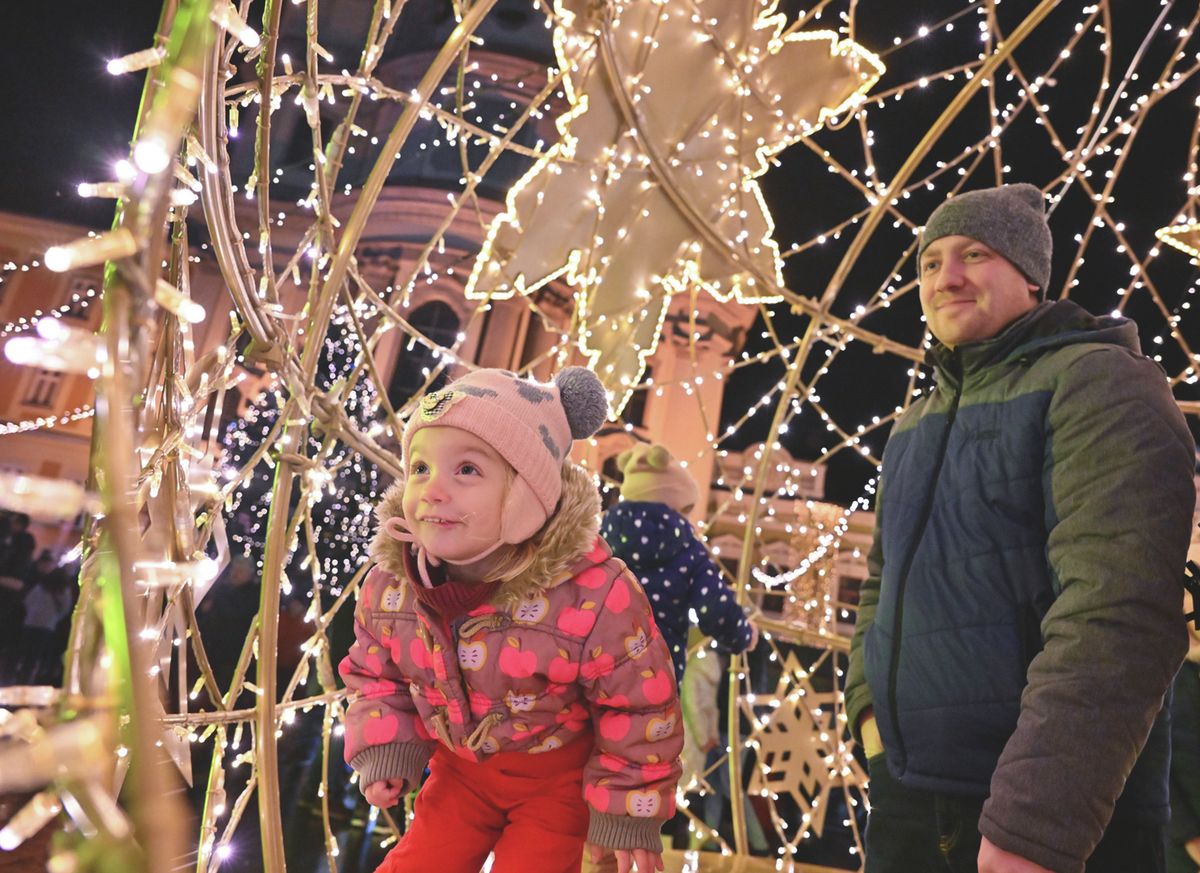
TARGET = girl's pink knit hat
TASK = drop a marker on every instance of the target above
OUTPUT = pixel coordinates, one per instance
(529, 424)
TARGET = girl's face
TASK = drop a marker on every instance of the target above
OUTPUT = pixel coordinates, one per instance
(454, 493)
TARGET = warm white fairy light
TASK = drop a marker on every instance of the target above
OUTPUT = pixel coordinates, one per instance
(226, 16)
(151, 156)
(47, 422)
(111, 190)
(135, 61)
(170, 298)
(91, 250)
(58, 347)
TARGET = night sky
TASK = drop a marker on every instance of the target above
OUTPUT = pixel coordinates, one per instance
(67, 121)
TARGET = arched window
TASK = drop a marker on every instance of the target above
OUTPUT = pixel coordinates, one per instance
(439, 323)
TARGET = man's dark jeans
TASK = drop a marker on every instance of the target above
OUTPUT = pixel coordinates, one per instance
(912, 831)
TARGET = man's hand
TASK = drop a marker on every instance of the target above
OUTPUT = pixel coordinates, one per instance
(1193, 849)
(993, 859)
(384, 793)
(869, 731)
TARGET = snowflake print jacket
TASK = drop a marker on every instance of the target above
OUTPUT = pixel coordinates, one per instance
(569, 647)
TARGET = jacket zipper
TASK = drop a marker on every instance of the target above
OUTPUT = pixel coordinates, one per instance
(894, 667)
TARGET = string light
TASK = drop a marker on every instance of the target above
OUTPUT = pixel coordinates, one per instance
(47, 422)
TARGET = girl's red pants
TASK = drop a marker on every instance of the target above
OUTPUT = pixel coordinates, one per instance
(528, 809)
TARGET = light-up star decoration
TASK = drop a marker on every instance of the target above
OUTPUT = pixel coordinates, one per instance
(1184, 237)
(799, 745)
(675, 109)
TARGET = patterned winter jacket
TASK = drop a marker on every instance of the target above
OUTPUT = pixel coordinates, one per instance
(568, 648)
(678, 574)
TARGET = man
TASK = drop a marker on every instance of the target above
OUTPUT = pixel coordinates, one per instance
(1021, 623)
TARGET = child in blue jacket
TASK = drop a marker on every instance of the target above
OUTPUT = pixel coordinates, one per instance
(649, 530)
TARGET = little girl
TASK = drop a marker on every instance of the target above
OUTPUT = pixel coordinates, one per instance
(501, 645)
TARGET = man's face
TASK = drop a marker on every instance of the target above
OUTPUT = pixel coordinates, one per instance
(970, 292)
(454, 492)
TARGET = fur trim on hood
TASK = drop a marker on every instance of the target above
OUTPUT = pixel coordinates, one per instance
(568, 535)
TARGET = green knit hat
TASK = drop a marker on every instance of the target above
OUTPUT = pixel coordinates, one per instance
(652, 475)
(1010, 220)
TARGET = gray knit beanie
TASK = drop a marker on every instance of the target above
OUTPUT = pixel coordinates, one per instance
(1010, 219)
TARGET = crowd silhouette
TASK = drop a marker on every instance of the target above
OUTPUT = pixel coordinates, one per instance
(37, 596)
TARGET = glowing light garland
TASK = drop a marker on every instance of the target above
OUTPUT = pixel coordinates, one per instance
(47, 422)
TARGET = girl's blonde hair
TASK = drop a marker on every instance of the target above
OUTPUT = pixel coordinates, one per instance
(514, 560)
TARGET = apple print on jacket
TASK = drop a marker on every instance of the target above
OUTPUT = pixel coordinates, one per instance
(660, 728)
(575, 717)
(379, 688)
(380, 728)
(531, 611)
(472, 656)
(578, 621)
(597, 795)
(658, 685)
(642, 804)
(516, 663)
(601, 664)
(615, 726)
(480, 703)
(522, 702)
(547, 745)
(392, 599)
(419, 654)
(612, 763)
(636, 645)
(655, 771)
(593, 577)
(391, 642)
(617, 600)
(563, 669)
(370, 658)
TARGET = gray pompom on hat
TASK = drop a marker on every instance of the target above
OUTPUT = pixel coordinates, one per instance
(1010, 220)
(584, 400)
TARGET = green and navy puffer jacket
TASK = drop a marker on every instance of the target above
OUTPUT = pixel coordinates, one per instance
(1022, 619)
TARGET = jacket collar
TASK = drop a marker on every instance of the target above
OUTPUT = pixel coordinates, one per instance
(567, 543)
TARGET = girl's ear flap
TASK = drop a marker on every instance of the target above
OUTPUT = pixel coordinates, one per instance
(623, 459)
(522, 515)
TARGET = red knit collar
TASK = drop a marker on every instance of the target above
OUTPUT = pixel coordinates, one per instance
(448, 598)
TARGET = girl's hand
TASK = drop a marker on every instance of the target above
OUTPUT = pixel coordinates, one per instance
(753, 638)
(384, 793)
(993, 859)
(642, 860)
